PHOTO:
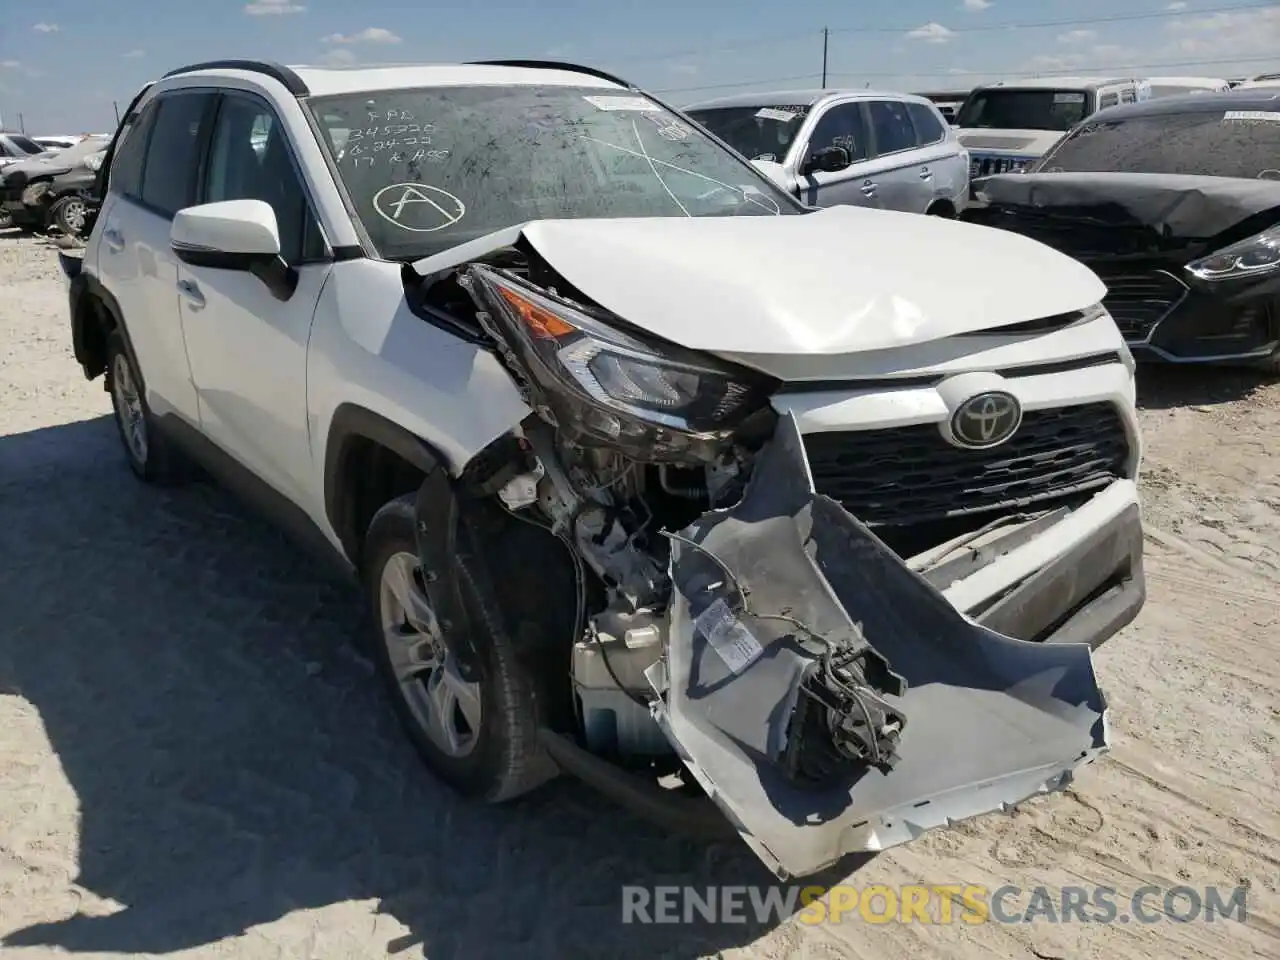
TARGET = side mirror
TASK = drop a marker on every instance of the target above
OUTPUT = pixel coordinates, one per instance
(234, 235)
(831, 159)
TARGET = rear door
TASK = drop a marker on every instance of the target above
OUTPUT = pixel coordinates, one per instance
(901, 166)
(843, 125)
(153, 176)
(248, 348)
(943, 165)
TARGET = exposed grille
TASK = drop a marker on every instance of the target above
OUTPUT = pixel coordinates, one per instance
(1139, 301)
(981, 166)
(906, 476)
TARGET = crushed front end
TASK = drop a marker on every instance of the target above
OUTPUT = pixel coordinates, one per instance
(736, 629)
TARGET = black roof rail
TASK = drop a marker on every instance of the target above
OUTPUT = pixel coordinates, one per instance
(292, 82)
(555, 65)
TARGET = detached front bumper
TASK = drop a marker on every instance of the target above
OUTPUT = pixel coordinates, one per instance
(777, 595)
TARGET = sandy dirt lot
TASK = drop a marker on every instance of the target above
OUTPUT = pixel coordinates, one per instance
(195, 759)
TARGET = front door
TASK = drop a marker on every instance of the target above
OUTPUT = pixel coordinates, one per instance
(248, 349)
(840, 125)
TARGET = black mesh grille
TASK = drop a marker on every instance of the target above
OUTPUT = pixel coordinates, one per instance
(906, 476)
(1138, 302)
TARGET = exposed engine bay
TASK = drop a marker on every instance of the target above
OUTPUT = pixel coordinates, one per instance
(737, 623)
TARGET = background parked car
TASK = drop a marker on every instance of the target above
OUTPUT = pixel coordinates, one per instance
(14, 147)
(1009, 125)
(1175, 204)
(59, 142)
(1173, 86)
(47, 191)
(861, 148)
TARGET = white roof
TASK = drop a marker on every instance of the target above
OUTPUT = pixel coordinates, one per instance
(777, 98)
(1255, 84)
(324, 81)
(1061, 83)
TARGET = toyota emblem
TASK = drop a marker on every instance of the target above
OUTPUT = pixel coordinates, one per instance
(986, 420)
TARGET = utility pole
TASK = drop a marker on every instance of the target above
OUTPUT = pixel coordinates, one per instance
(826, 33)
(22, 126)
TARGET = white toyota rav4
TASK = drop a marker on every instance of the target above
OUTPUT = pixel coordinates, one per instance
(650, 473)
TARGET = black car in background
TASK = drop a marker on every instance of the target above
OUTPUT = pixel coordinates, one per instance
(51, 191)
(1175, 204)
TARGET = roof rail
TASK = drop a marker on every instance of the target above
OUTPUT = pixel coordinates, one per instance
(292, 82)
(555, 65)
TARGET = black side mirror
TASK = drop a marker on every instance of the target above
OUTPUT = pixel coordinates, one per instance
(831, 159)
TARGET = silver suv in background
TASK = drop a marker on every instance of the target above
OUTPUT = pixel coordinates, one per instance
(861, 148)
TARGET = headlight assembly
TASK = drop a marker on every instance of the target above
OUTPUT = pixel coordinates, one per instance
(616, 387)
(94, 161)
(1251, 257)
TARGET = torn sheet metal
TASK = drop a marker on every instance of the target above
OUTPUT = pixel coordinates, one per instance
(1176, 207)
(985, 720)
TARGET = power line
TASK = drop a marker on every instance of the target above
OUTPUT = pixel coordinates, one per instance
(776, 38)
(1066, 72)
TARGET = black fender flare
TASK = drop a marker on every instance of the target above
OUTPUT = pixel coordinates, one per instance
(84, 288)
(350, 423)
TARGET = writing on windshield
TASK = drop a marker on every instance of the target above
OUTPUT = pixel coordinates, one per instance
(429, 169)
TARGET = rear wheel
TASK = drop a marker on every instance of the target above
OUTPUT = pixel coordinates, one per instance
(151, 456)
(480, 737)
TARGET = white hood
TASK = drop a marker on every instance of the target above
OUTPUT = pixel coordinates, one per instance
(839, 280)
(1023, 142)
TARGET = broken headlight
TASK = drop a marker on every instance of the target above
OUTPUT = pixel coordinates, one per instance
(1259, 254)
(615, 387)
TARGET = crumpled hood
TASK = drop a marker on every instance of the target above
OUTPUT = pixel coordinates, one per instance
(1176, 207)
(1025, 142)
(838, 280)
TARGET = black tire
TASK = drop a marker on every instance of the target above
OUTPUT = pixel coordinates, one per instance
(507, 759)
(155, 460)
(68, 215)
(942, 210)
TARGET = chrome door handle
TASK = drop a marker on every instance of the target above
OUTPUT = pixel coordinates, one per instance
(188, 288)
(869, 187)
(925, 173)
(113, 239)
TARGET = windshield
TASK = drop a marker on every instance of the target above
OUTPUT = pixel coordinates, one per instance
(1231, 143)
(1025, 109)
(429, 169)
(758, 133)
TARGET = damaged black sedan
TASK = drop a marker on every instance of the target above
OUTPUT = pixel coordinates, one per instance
(1175, 204)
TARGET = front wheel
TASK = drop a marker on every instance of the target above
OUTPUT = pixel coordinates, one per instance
(480, 737)
(69, 215)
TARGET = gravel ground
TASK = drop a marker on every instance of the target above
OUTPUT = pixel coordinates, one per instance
(195, 758)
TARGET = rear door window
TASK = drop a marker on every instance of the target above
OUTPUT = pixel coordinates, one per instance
(173, 151)
(929, 129)
(893, 128)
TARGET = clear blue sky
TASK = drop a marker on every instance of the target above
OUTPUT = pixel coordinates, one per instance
(63, 62)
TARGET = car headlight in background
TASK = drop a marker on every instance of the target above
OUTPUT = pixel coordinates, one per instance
(1251, 257)
(618, 388)
(94, 161)
(31, 196)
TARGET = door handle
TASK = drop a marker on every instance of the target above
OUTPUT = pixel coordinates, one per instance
(869, 187)
(189, 290)
(114, 239)
(925, 173)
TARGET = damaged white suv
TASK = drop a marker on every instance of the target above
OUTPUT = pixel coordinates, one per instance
(650, 473)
